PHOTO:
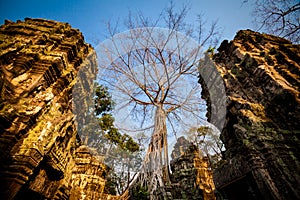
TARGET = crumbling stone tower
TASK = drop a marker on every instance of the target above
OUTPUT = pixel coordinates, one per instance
(39, 63)
(262, 129)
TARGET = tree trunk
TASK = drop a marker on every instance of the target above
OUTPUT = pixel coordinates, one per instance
(156, 163)
(160, 129)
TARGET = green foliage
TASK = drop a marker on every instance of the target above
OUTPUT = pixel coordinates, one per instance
(211, 50)
(106, 122)
(110, 186)
(121, 151)
(103, 106)
(103, 100)
(125, 141)
(128, 143)
(139, 192)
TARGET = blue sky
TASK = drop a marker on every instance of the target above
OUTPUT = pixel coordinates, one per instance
(90, 15)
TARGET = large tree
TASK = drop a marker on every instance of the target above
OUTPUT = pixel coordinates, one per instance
(153, 72)
(278, 17)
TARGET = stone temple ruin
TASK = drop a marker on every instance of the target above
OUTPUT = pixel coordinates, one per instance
(42, 156)
(261, 134)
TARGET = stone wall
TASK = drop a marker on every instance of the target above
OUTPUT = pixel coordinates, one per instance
(262, 129)
(41, 156)
(191, 176)
(88, 176)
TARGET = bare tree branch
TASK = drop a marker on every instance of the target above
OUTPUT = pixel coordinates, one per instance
(153, 68)
(278, 17)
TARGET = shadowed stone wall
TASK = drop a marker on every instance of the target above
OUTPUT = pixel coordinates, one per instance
(261, 74)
